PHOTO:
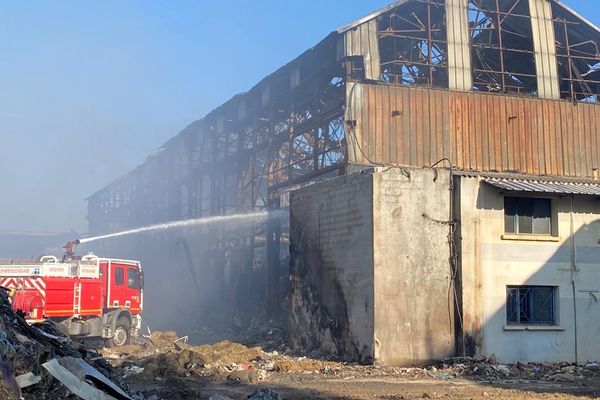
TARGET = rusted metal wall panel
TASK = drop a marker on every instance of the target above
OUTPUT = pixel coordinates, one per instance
(362, 41)
(459, 54)
(419, 126)
(545, 50)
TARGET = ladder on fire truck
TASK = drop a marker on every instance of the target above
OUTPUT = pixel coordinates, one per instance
(77, 299)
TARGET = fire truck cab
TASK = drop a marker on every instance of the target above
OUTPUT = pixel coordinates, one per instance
(91, 297)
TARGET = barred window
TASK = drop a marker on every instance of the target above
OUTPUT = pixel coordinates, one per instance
(531, 305)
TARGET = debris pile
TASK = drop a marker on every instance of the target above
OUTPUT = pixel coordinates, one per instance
(168, 367)
(40, 362)
(253, 328)
(165, 354)
(489, 369)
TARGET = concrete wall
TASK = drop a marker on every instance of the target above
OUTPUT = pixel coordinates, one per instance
(413, 312)
(489, 263)
(331, 248)
(370, 267)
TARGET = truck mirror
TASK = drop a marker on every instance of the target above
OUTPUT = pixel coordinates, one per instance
(141, 279)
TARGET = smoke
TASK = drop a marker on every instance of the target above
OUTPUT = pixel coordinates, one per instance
(199, 274)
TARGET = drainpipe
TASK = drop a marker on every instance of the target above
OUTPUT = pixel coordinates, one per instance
(573, 272)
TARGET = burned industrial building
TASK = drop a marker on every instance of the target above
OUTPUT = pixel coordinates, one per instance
(438, 161)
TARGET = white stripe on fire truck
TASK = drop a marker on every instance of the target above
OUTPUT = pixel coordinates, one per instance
(29, 283)
(7, 282)
(40, 285)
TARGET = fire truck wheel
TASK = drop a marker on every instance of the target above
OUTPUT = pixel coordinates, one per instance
(121, 333)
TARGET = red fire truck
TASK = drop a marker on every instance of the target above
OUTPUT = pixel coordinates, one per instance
(91, 297)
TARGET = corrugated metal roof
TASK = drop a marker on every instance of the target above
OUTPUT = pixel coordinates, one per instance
(541, 186)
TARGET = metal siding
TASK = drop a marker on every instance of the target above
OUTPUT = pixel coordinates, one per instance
(375, 60)
(545, 50)
(511, 133)
(362, 41)
(395, 141)
(478, 131)
(406, 128)
(353, 135)
(369, 125)
(459, 53)
(485, 143)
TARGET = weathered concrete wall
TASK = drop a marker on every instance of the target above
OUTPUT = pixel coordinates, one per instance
(331, 247)
(490, 262)
(370, 267)
(413, 316)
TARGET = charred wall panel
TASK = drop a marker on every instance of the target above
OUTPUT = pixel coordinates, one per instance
(362, 42)
(331, 246)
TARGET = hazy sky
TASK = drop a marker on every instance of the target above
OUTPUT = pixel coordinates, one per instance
(89, 88)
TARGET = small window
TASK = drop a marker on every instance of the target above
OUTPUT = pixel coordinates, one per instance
(527, 216)
(133, 280)
(119, 276)
(531, 305)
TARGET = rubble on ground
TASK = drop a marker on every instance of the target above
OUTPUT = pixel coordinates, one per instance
(40, 362)
(488, 369)
(166, 355)
(168, 367)
(32, 355)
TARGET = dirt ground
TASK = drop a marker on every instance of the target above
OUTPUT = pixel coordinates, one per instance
(295, 386)
(166, 367)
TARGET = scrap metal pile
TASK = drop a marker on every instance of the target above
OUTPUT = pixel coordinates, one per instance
(39, 362)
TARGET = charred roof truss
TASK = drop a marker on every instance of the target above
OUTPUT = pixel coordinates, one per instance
(578, 56)
(502, 48)
(413, 44)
